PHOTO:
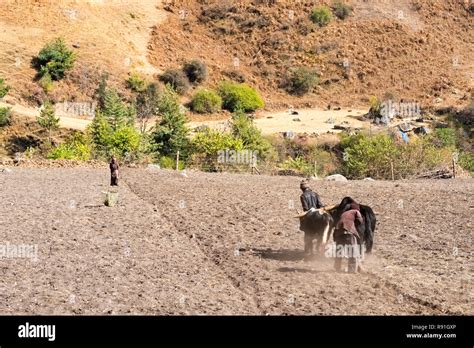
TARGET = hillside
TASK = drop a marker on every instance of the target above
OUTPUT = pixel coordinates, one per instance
(418, 50)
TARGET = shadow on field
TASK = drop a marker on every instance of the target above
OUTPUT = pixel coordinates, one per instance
(301, 270)
(280, 255)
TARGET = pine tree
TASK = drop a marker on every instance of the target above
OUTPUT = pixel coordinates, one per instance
(47, 118)
(115, 111)
(170, 134)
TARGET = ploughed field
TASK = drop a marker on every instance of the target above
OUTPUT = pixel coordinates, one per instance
(224, 244)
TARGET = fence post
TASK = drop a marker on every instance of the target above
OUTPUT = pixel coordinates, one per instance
(177, 160)
(391, 167)
(454, 169)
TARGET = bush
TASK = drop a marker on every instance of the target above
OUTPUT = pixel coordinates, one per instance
(196, 71)
(341, 10)
(300, 165)
(300, 81)
(321, 16)
(239, 97)
(177, 80)
(4, 116)
(444, 137)
(136, 83)
(374, 156)
(466, 161)
(252, 139)
(206, 101)
(170, 163)
(3, 88)
(77, 147)
(55, 59)
(46, 82)
(209, 142)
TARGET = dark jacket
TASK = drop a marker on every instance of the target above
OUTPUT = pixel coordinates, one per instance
(310, 199)
(114, 167)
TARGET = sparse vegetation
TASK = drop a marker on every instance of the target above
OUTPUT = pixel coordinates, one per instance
(240, 97)
(206, 101)
(177, 79)
(136, 83)
(4, 88)
(300, 81)
(55, 59)
(321, 15)
(341, 10)
(4, 116)
(196, 71)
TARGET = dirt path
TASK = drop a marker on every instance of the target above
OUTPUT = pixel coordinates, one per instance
(307, 120)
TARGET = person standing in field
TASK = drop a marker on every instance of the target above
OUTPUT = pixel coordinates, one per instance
(114, 171)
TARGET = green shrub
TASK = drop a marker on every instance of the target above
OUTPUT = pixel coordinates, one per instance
(209, 142)
(252, 139)
(321, 15)
(46, 82)
(125, 140)
(3, 88)
(4, 116)
(300, 81)
(237, 96)
(375, 155)
(444, 137)
(341, 10)
(466, 161)
(206, 101)
(170, 163)
(77, 147)
(176, 79)
(196, 71)
(55, 59)
(136, 83)
(299, 164)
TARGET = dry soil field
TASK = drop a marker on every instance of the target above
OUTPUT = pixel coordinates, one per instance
(224, 244)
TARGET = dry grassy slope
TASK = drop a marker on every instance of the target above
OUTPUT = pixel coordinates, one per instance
(109, 35)
(392, 46)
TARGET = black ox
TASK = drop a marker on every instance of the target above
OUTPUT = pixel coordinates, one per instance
(319, 224)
